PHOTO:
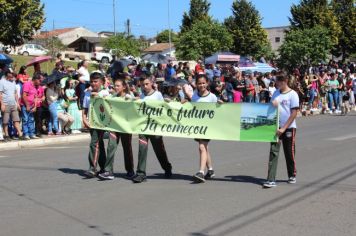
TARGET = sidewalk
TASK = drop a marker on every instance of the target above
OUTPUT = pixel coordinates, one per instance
(15, 144)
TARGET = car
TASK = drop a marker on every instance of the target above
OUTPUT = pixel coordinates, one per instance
(32, 50)
(104, 56)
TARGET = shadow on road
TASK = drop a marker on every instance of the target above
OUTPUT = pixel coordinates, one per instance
(348, 172)
(72, 171)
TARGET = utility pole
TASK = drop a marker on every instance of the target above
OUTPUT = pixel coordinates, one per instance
(114, 13)
(128, 27)
(169, 28)
(53, 40)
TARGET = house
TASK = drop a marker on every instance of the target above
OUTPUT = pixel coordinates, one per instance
(106, 34)
(66, 35)
(87, 44)
(161, 48)
(276, 36)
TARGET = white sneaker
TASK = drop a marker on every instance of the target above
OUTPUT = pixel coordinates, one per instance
(76, 132)
(292, 180)
(269, 184)
(337, 112)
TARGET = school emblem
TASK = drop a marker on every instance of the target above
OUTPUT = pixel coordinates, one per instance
(101, 113)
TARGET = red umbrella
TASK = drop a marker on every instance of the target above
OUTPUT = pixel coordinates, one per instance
(38, 60)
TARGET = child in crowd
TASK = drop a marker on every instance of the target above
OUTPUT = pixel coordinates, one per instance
(73, 109)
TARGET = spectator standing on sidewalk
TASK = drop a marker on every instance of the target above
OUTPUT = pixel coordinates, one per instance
(32, 98)
(10, 105)
(52, 95)
(288, 102)
(73, 109)
(84, 78)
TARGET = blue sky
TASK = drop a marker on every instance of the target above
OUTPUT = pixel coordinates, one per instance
(148, 16)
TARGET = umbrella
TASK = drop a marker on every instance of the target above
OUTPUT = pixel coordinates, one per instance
(118, 66)
(38, 60)
(53, 78)
(157, 58)
(175, 82)
(245, 62)
(259, 67)
(222, 57)
(5, 59)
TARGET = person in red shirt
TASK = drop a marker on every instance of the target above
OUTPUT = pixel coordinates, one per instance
(22, 75)
(32, 98)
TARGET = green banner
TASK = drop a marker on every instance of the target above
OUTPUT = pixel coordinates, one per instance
(228, 121)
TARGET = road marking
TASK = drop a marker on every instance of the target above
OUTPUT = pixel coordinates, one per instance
(3, 156)
(342, 138)
(64, 147)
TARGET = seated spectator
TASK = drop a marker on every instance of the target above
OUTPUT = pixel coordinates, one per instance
(65, 119)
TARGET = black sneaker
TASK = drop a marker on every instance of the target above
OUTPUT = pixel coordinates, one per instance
(130, 175)
(210, 174)
(199, 178)
(7, 139)
(139, 178)
(90, 174)
(168, 173)
(107, 175)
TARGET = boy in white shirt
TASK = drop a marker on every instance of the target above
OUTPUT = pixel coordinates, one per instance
(148, 93)
(288, 102)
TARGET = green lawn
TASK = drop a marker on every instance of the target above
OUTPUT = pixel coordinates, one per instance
(46, 67)
(264, 133)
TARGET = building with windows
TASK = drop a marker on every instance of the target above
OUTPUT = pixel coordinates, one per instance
(276, 36)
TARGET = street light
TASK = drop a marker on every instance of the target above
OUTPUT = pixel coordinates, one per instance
(113, 9)
(169, 28)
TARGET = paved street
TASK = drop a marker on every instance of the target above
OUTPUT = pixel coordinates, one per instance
(43, 192)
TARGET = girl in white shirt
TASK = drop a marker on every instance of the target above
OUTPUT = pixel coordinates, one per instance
(203, 95)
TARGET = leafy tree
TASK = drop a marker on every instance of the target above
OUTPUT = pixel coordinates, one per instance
(199, 10)
(19, 20)
(123, 45)
(245, 27)
(345, 11)
(304, 47)
(310, 13)
(163, 37)
(203, 39)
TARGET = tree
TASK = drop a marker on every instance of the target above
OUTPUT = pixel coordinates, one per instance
(345, 11)
(163, 37)
(123, 45)
(19, 20)
(310, 13)
(199, 10)
(304, 47)
(203, 39)
(245, 27)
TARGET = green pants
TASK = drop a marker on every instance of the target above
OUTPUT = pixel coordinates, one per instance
(158, 147)
(288, 141)
(96, 150)
(114, 139)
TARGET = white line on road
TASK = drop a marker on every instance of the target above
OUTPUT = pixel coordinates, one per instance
(64, 147)
(342, 138)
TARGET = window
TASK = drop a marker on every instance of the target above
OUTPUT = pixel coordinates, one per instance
(277, 39)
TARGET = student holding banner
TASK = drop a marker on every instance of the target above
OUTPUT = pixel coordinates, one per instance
(122, 92)
(96, 146)
(288, 102)
(148, 93)
(203, 95)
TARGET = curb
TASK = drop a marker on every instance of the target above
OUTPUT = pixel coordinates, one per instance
(43, 142)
